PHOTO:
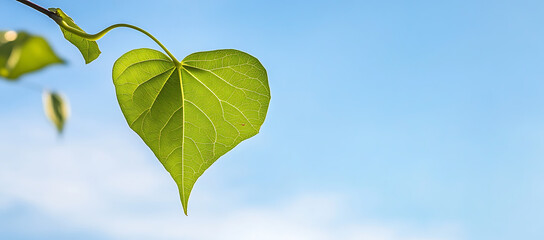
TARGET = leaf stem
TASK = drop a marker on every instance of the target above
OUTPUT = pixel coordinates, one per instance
(99, 35)
(50, 14)
(94, 37)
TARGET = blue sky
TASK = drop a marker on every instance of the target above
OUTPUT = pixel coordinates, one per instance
(389, 120)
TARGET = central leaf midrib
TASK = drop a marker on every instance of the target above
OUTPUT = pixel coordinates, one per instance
(184, 202)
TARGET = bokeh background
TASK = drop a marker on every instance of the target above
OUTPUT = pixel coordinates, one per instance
(389, 120)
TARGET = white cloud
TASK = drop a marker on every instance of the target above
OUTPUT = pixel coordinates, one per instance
(105, 186)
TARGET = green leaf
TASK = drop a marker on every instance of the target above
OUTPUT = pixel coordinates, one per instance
(192, 113)
(56, 109)
(89, 49)
(22, 53)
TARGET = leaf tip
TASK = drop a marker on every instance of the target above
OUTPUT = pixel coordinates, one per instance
(184, 203)
(91, 58)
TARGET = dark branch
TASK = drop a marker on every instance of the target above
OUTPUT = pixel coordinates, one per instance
(50, 14)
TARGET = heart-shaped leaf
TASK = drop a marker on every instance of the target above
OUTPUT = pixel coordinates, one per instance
(22, 53)
(56, 109)
(192, 113)
(89, 49)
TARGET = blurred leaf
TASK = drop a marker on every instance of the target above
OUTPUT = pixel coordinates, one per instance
(56, 109)
(192, 113)
(22, 53)
(89, 49)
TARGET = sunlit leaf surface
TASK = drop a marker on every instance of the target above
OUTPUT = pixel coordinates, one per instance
(192, 113)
